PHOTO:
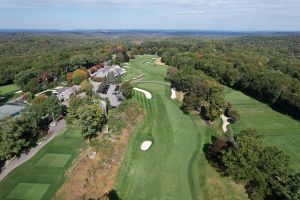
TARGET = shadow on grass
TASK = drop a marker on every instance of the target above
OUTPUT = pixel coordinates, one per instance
(6, 97)
(113, 195)
(184, 109)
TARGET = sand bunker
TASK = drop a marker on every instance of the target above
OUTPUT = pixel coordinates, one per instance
(173, 95)
(147, 94)
(146, 145)
(225, 123)
(158, 62)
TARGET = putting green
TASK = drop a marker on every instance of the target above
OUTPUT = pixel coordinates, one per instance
(30, 191)
(53, 160)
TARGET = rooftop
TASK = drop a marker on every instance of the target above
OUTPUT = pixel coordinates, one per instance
(11, 109)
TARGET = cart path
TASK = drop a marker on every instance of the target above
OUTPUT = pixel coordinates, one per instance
(12, 164)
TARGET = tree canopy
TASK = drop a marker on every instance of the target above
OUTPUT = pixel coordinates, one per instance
(265, 170)
(127, 90)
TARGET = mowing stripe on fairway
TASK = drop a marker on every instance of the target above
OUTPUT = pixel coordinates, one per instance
(277, 129)
(30, 191)
(175, 166)
(53, 160)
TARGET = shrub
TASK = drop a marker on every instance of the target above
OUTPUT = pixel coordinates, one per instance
(127, 90)
(39, 99)
(85, 85)
(234, 116)
(98, 79)
(215, 149)
(231, 113)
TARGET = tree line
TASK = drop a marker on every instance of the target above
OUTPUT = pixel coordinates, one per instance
(266, 68)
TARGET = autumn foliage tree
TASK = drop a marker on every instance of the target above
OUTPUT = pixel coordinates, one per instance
(70, 77)
(78, 76)
(215, 149)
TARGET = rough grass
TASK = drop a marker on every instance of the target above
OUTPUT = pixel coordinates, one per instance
(8, 92)
(40, 169)
(277, 129)
(97, 176)
(175, 166)
(7, 89)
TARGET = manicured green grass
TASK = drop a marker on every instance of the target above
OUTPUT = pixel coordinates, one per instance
(145, 65)
(43, 174)
(53, 160)
(34, 191)
(277, 129)
(175, 166)
(6, 89)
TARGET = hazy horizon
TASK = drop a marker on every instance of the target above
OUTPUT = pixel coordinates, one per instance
(201, 15)
(150, 30)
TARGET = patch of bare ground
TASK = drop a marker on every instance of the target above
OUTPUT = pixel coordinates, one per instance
(94, 178)
(158, 61)
(179, 96)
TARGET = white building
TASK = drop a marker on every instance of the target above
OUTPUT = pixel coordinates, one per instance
(66, 93)
(103, 72)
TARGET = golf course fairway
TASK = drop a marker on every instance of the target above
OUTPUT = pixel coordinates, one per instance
(162, 172)
(174, 167)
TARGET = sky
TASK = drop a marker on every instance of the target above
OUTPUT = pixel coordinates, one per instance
(225, 15)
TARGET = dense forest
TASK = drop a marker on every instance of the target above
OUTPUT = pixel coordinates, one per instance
(55, 54)
(264, 67)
